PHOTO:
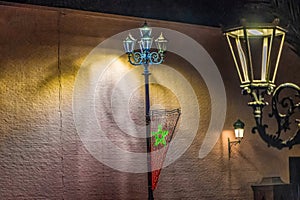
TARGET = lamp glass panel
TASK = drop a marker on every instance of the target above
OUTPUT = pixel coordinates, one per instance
(146, 43)
(239, 133)
(243, 59)
(145, 31)
(129, 43)
(128, 46)
(259, 47)
(255, 32)
(256, 53)
(161, 43)
(275, 56)
(161, 46)
(238, 51)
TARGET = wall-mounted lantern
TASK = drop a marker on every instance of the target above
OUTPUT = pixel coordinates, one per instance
(256, 50)
(239, 134)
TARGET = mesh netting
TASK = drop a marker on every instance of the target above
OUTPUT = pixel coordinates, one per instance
(163, 125)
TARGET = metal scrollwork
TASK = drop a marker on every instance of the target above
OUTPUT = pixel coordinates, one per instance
(136, 58)
(283, 108)
(156, 58)
(139, 58)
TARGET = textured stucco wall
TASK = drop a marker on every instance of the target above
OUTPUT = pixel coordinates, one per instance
(41, 153)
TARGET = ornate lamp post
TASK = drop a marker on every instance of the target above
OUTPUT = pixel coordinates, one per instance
(145, 57)
(257, 67)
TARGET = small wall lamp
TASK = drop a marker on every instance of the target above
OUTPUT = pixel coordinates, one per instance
(239, 134)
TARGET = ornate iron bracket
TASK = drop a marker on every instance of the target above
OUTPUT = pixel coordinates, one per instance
(145, 57)
(279, 100)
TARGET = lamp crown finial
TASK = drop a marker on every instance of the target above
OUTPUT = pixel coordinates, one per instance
(145, 24)
(276, 21)
(239, 124)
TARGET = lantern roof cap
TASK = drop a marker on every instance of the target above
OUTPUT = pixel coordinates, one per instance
(244, 24)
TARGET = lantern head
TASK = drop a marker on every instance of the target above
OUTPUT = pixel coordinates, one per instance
(256, 50)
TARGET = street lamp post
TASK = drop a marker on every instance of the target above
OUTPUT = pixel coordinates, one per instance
(146, 57)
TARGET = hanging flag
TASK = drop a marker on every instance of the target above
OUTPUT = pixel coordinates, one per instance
(163, 125)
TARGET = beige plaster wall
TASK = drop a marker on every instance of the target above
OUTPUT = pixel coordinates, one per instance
(41, 153)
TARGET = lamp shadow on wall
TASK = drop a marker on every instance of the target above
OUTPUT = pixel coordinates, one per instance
(58, 72)
(237, 152)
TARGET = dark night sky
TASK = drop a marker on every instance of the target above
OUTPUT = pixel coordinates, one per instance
(203, 12)
(215, 13)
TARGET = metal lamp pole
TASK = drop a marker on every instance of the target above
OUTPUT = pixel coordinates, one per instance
(146, 57)
(148, 129)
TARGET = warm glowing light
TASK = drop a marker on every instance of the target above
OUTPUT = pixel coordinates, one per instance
(243, 42)
(239, 133)
(268, 31)
(161, 43)
(226, 134)
(129, 43)
(239, 129)
(255, 32)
